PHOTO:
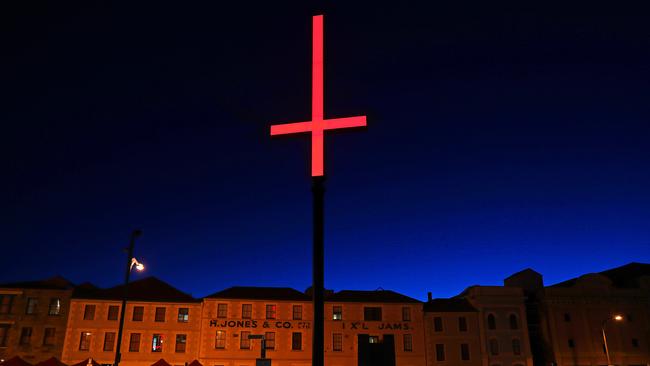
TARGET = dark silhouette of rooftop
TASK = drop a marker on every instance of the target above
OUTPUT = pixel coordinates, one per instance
(146, 289)
(452, 305)
(53, 283)
(370, 296)
(260, 293)
(625, 276)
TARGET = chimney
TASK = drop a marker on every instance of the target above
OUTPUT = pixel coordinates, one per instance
(429, 298)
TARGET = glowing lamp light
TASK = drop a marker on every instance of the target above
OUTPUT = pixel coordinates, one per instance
(318, 123)
(138, 266)
(618, 317)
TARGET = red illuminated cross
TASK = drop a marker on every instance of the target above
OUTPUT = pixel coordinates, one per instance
(318, 123)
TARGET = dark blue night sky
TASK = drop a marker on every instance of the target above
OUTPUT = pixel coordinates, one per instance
(500, 137)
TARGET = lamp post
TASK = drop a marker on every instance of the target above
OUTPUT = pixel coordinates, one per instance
(617, 318)
(130, 263)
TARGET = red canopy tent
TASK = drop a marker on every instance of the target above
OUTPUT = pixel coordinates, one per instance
(195, 363)
(52, 361)
(85, 362)
(161, 362)
(16, 361)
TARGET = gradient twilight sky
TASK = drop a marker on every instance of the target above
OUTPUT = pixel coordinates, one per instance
(499, 137)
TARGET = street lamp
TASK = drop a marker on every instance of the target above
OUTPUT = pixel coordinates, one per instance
(618, 318)
(131, 262)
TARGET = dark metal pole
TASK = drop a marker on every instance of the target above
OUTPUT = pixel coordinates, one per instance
(118, 356)
(318, 338)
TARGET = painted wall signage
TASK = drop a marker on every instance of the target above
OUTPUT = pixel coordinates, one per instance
(252, 324)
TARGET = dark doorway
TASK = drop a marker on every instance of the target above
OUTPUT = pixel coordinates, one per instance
(376, 352)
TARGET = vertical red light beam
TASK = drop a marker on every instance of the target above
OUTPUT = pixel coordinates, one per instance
(317, 104)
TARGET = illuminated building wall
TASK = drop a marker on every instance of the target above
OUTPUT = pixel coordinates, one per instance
(33, 318)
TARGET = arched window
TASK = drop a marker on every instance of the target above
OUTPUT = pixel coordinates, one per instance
(514, 323)
(494, 347)
(492, 322)
(516, 347)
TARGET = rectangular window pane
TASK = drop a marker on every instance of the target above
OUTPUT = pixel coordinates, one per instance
(55, 306)
(6, 301)
(408, 343)
(160, 314)
(113, 311)
(516, 347)
(244, 342)
(296, 341)
(222, 311)
(246, 311)
(109, 341)
(89, 312)
(138, 313)
(372, 313)
(25, 336)
(84, 341)
(157, 343)
(406, 314)
(437, 324)
(440, 352)
(4, 333)
(32, 304)
(270, 340)
(464, 352)
(462, 324)
(183, 315)
(220, 339)
(181, 343)
(494, 347)
(297, 312)
(48, 336)
(134, 342)
(270, 311)
(337, 342)
(337, 313)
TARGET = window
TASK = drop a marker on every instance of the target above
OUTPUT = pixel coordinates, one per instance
(571, 343)
(5, 303)
(222, 310)
(55, 306)
(113, 311)
(437, 324)
(25, 336)
(440, 352)
(84, 341)
(134, 342)
(32, 304)
(406, 314)
(270, 311)
(157, 343)
(109, 341)
(246, 311)
(296, 341)
(244, 342)
(372, 313)
(297, 312)
(494, 347)
(629, 318)
(337, 313)
(408, 343)
(4, 332)
(373, 339)
(337, 342)
(516, 347)
(220, 339)
(138, 313)
(160, 314)
(269, 338)
(49, 336)
(462, 324)
(567, 317)
(183, 315)
(89, 312)
(492, 322)
(635, 343)
(181, 343)
(514, 324)
(464, 351)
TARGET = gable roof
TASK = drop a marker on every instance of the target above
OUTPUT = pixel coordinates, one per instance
(625, 276)
(453, 305)
(260, 293)
(147, 289)
(385, 296)
(53, 283)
